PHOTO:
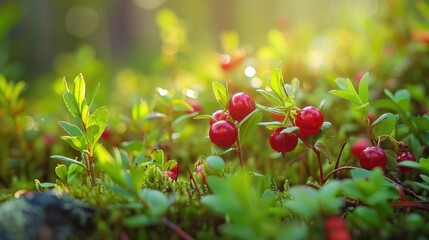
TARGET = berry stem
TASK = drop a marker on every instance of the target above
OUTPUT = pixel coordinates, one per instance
(333, 172)
(191, 176)
(319, 161)
(239, 152)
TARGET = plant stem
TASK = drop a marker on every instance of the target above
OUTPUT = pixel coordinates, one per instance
(240, 155)
(339, 169)
(337, 163)
(178, 230)
(88, 162)
(319, 161)
(195, 182)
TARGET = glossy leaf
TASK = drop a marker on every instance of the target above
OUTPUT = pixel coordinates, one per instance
(67, 160)
(71, 129)
(276, 84)
(221, 94)
(61, 172)
(249, 124)
(79, 91)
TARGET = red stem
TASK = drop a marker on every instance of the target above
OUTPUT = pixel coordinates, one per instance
(240, 156)
(178, 230)
(337, 163)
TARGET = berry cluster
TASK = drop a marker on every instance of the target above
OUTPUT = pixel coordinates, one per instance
(309, 120)
(223, 132)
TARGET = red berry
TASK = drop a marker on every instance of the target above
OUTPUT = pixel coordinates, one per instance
(309, 120)
(223, 133)
(336, 228)
(283, 142)
(371, 117)
(219, 115)
(240, 105)
(106, 134)
(359, 145)
(171, 174)
(372, 157)
(405, 156)
(196, 107)
(175, 169)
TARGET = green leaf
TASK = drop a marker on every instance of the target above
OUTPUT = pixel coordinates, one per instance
(67, 160)
(140, 220)
(79, 91)
(158, 157)
(249, 124)
(184, 117)
(325, 151)
(221, 94)
(156, 201)
(271, 97)
(347, 96)
(61, 171)
(139, 110)
(304, 201)
(422, 122)
(384, 125)
(71, 129)
(360, 173)
(268, 198)
(342, 83)
(47, 184)
(363, 93)
(272, 125)
(71, 104)
(203, 116)
(154, 115)
(411, 164)
(73, 171)
(93, 95)
(215, 150)
(77, 143)
(216, 163)
(181, 105)
(290, 129)
(277, 83)
(96, 124)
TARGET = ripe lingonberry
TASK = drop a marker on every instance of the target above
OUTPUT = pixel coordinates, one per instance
(171, 174)
(106, 134)
(283, 142)
(336, 228)
(309, 120)
(405, 156)
(223, 133)
(240, 105)
(219, 115)
(372, 157)
(359, 145)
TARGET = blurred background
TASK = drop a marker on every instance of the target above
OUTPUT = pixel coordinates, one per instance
(133, 47)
